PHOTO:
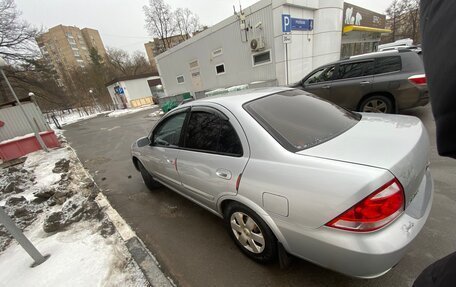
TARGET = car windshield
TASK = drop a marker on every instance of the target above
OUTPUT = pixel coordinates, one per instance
(298, 120)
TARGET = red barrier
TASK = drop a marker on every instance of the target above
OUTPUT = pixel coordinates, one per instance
(22, 146)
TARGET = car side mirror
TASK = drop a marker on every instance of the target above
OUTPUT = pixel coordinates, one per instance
(143, 141)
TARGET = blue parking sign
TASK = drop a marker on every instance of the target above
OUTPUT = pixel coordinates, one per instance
(286, 23)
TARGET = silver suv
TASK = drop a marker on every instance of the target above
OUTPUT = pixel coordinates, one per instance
(381, 82)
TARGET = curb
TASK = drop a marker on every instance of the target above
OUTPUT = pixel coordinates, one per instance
(138, 250)
(145, 260)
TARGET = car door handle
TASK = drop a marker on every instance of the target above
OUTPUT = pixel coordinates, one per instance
(326, 87)
(170, 161)
(364, 83)
(223, 173)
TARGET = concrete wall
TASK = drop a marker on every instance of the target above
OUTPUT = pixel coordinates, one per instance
(308, 49)
(328, 32)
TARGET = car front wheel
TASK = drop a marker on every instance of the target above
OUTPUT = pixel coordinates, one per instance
(251, 234)
(150, 182)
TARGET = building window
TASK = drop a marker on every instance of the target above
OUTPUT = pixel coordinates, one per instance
(71, 41)
(194, 64)
(69, 35)
(76, 53)
(217, 52)
(220, 69)
(180, 79)
(261, 58)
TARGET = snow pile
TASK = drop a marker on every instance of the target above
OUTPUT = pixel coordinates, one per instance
(73, 117)
(52, 198)
(119, 113)
(158, 113)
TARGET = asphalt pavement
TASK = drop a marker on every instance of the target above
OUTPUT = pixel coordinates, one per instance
(192, 245)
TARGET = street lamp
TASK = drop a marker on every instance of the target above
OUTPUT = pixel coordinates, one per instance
(93, 98)
(37, 134)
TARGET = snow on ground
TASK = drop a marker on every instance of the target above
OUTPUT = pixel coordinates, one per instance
(158, 113)
(52, 198)
(79, 256)
(66, 119)
(41, 164)
(119, 113)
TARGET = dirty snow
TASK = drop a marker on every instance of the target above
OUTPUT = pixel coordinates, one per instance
(119, 113)
(41, 164)
(85, 251)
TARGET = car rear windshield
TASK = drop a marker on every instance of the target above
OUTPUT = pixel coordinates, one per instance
(298, 120)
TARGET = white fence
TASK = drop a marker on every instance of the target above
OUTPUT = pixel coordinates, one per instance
(16, 124)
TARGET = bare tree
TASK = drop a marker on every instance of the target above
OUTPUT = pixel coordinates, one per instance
(122, 64)
(187, 22)
(160, 21)
(17, 37)
(403, 19)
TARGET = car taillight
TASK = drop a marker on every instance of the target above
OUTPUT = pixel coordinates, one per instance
(373, 212)
(418, 80)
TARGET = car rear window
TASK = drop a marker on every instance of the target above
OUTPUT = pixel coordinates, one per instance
(298, 120)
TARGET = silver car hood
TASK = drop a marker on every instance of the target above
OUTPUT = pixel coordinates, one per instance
(397, 143)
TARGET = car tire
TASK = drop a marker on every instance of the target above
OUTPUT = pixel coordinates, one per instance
(376, 104)
(250, 233)
(150, 182)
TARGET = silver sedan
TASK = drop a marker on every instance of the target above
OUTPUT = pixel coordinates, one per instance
(293, 174)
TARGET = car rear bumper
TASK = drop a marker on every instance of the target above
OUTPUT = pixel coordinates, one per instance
(363, 255)
(424, 98)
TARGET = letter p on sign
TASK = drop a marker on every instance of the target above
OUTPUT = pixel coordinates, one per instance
(286, 23)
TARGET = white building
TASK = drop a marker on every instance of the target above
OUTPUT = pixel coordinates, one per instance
(250, 47)
(135, 91)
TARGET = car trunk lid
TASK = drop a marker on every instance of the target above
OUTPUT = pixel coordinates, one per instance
(397, 143)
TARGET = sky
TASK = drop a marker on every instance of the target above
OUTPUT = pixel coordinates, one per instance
(121, 22)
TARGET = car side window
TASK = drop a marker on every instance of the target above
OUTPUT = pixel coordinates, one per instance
(388, 64)
(321, 75)
(208, 132)
(168, 133)
(229, 142)
(356, 69)
(202, 131)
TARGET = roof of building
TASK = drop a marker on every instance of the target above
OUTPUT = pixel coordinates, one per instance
(233, 18)
(132, 77)
(14, 102)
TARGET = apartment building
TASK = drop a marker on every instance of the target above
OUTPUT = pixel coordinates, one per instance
(68, 47)
(158, 46)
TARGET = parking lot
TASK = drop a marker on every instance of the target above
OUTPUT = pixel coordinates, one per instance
(192, 245)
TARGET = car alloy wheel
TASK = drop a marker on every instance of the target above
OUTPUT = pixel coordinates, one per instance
(377, 104)
(247, 232)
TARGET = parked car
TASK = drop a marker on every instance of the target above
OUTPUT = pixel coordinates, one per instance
(382, 82)
(288, 171)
